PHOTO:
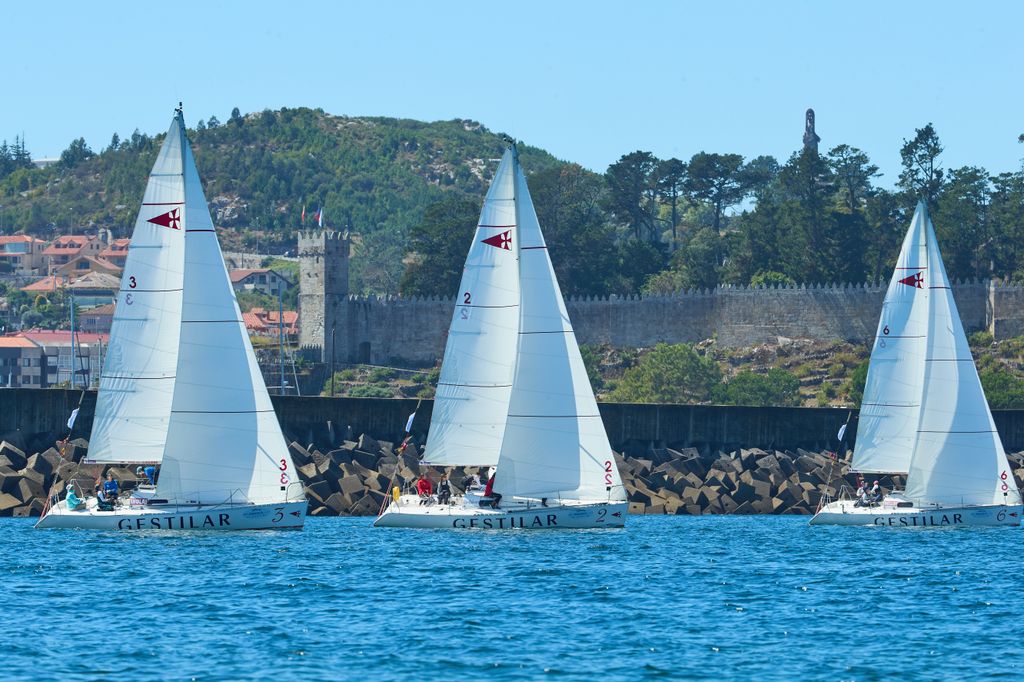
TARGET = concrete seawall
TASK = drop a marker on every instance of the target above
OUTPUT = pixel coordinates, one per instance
(674, 459)
(34, 418)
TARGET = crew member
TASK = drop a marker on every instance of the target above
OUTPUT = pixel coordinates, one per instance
(444, 490)
(424, 488)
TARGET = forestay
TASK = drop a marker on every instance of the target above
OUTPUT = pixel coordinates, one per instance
(554, 444)
(224, 441)
(891, 405)
(959, 458)
(471, 403)
(137, 383)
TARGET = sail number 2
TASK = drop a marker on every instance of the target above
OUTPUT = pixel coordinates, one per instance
(607, 472)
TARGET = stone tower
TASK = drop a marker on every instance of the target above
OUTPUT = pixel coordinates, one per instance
(811, 138)
(323, 291)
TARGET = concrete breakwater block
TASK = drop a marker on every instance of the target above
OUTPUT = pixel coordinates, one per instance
(355, 478)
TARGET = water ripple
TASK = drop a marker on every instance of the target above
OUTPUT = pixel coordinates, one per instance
(666, 598)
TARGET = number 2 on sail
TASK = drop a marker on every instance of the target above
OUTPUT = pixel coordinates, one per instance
(607, 472)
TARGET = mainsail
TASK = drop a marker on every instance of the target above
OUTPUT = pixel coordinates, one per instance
(133, 407)
(959, 458)
(471, 404)
(924, 411)
(554, 444)
(224, 441)
(891, 405)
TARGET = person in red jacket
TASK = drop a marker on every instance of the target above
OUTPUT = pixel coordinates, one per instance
(489, 492)
(424, 488)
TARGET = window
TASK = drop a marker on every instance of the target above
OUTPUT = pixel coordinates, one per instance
(26, 362)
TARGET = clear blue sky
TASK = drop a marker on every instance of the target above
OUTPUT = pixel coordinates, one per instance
(588, 81)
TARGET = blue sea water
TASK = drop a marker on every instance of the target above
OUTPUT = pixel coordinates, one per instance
(704, 598)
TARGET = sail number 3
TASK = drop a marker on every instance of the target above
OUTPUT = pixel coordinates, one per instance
(284, 469)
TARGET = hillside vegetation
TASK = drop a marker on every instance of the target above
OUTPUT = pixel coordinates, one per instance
(411, 193)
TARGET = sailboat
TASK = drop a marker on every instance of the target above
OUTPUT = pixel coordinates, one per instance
(513, 391)
(180, 386)
(924, 413)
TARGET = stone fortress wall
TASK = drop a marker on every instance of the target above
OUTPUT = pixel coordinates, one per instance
(412, 331)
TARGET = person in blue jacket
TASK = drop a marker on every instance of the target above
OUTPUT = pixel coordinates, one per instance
(110, 488)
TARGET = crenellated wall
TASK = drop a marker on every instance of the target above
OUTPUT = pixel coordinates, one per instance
(412, 331)
(391, 330)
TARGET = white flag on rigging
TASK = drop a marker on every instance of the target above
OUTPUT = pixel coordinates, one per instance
(842, 431)
(72, 418)
(408, 423)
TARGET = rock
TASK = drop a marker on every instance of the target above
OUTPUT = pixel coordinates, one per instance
(351, 485)
(43, 462)
(745, 508)
(11, 456)
(635, 508)
(300, 455)
(7, 504)
(29, 489)
(308, 472)
(368, 444)
(693, 509)
(337, 504)
(365, 459)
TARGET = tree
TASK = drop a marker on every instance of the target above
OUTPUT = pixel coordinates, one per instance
(961, 223)
(777, 388)
(631, 192)
(668, 374)
(853, 171)
(580, 240)
(887, 222)
(768, 278)
(717, 179)
(115, 143)
(1006, 224)
(236, 117)
(809, 227)
(921, 176)
(758, 177)
(440, 243)
(77, 152)
(670, 181)
(214, 122)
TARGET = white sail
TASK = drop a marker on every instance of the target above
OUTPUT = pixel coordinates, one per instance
(891, 405)
(137, 384)
(471, 404)
(959, 458)
(554, 444)
(224, 441)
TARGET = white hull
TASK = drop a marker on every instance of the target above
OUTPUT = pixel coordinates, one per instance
(844, 513)
(409, 513)
(178, 517)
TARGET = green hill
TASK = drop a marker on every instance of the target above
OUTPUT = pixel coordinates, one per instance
(375, 176)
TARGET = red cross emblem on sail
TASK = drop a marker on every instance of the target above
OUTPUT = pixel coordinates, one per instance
(171, 219)
(501, 241)
(916, 280)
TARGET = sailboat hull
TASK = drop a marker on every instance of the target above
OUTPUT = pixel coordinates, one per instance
(843, 513)
(408, 513)
(177, 517)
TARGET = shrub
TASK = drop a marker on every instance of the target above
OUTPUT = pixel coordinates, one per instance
(776, 388)
(981, 339)
(668, 374)
(369, 391)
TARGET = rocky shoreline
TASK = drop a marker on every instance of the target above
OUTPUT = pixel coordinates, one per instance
(354, 479)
